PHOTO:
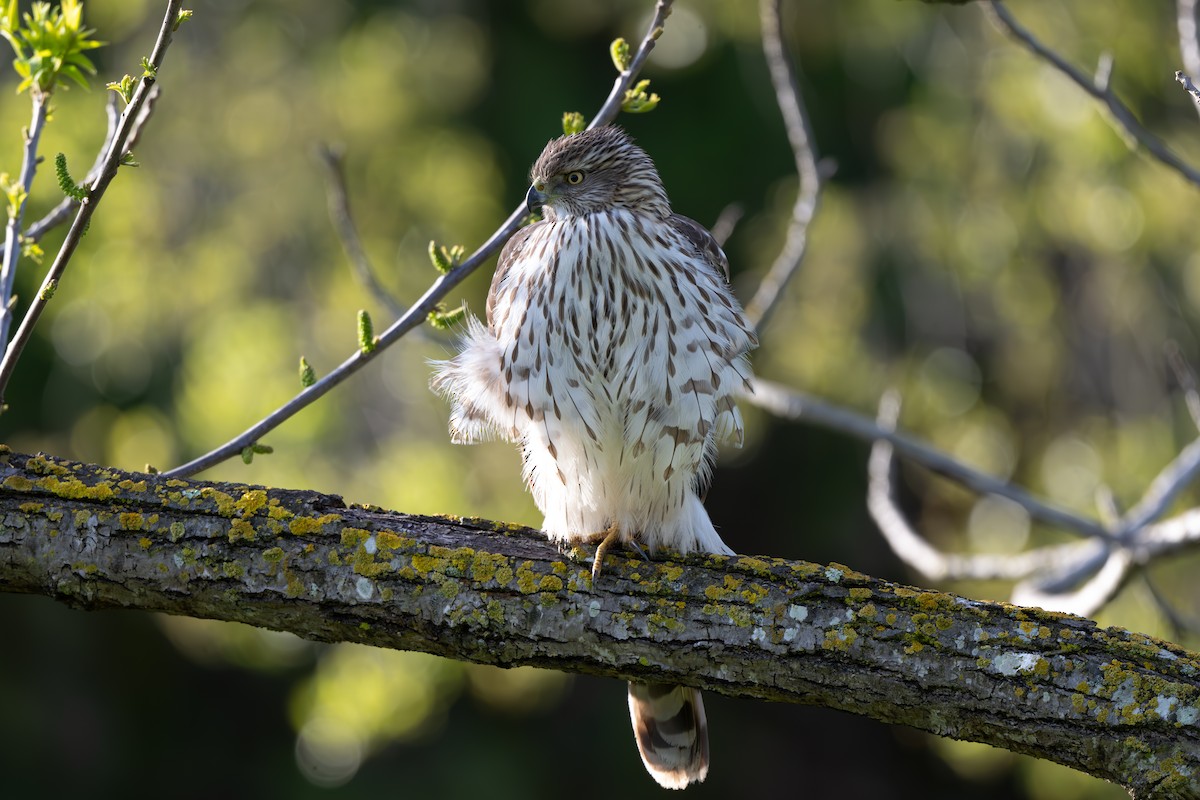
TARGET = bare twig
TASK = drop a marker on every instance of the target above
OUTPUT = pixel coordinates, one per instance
(12, 231)
(1165, 487)
(792, 404)
(800, 137)
(130, 124)
(726, 222)
(1186, 379)
(1189, 46)
(419, 311)
(1087, 599)
(1098, 86)
(926, 559)
(1187, 84)
(1180, 624)
(61, 212)
(343, 223)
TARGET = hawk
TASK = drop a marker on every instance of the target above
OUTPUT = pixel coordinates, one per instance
(612, 352)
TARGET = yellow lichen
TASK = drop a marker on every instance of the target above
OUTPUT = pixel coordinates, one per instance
(240, 529)
(389, 541)
(224, 502)
(131, 521)
(526, 578)
(304, 526)
(250, 502)
(352, 537)
(276, 511)
(40, 465)
(424, 564)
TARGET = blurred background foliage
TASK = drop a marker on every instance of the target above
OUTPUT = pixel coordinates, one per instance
(988, 245)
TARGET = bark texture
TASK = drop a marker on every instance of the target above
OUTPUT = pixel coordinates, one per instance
(1112, 703)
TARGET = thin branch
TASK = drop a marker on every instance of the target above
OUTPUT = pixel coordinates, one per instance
(1186, 379)
(612, 104)
(1115, 704)
(1181, 625)
(419, 311)
(343, 222)
(1189, 46)
(1098, 86)
(792, 404)
(1161, 492)
(915, 551)
(131, 121)
(1089, 598)
(12, 231)
(1187, 84)
(800, 137)
(727, 222)
(67, 206)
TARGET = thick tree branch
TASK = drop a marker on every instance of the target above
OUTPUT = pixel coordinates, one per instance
(1115, 704)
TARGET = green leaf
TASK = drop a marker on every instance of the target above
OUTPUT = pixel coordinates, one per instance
(184, 15)
(573, 122)
(621, 58)
(124, 88)
(32, 250)
(445, 258)
(637, 101)
(444, 320)
(49, 45)
(8, 22)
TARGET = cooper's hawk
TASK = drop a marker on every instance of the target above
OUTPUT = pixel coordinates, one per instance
(611, 356)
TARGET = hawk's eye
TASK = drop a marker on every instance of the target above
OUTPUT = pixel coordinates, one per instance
(575, 178)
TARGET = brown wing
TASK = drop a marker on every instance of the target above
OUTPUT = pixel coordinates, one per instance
(703, 241)
(508, 254)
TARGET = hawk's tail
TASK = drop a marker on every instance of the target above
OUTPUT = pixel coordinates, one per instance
(671, 732)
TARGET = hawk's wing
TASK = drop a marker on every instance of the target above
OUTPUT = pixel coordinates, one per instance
(511, 251)
(703, 241)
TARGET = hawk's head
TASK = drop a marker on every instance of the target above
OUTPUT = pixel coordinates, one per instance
(593, 171)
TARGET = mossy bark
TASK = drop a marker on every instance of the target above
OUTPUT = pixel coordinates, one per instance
(1115, 704)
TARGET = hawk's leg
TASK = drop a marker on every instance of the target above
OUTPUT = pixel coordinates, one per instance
(606, 540)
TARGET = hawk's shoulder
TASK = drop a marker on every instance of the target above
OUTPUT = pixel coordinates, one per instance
(703, 241)
(509, 254)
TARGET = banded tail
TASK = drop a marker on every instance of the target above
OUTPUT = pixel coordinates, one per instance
(671, 732)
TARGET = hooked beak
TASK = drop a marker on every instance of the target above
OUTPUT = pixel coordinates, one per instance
(536, 197)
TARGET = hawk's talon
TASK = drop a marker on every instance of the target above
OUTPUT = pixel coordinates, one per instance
(610, 538)
(633, 545)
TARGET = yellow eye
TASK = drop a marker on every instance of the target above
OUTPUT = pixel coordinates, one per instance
(575, 178)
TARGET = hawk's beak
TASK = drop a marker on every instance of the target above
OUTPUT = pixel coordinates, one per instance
(536, 197)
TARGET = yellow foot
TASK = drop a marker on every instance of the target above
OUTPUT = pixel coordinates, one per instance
(611, 536)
